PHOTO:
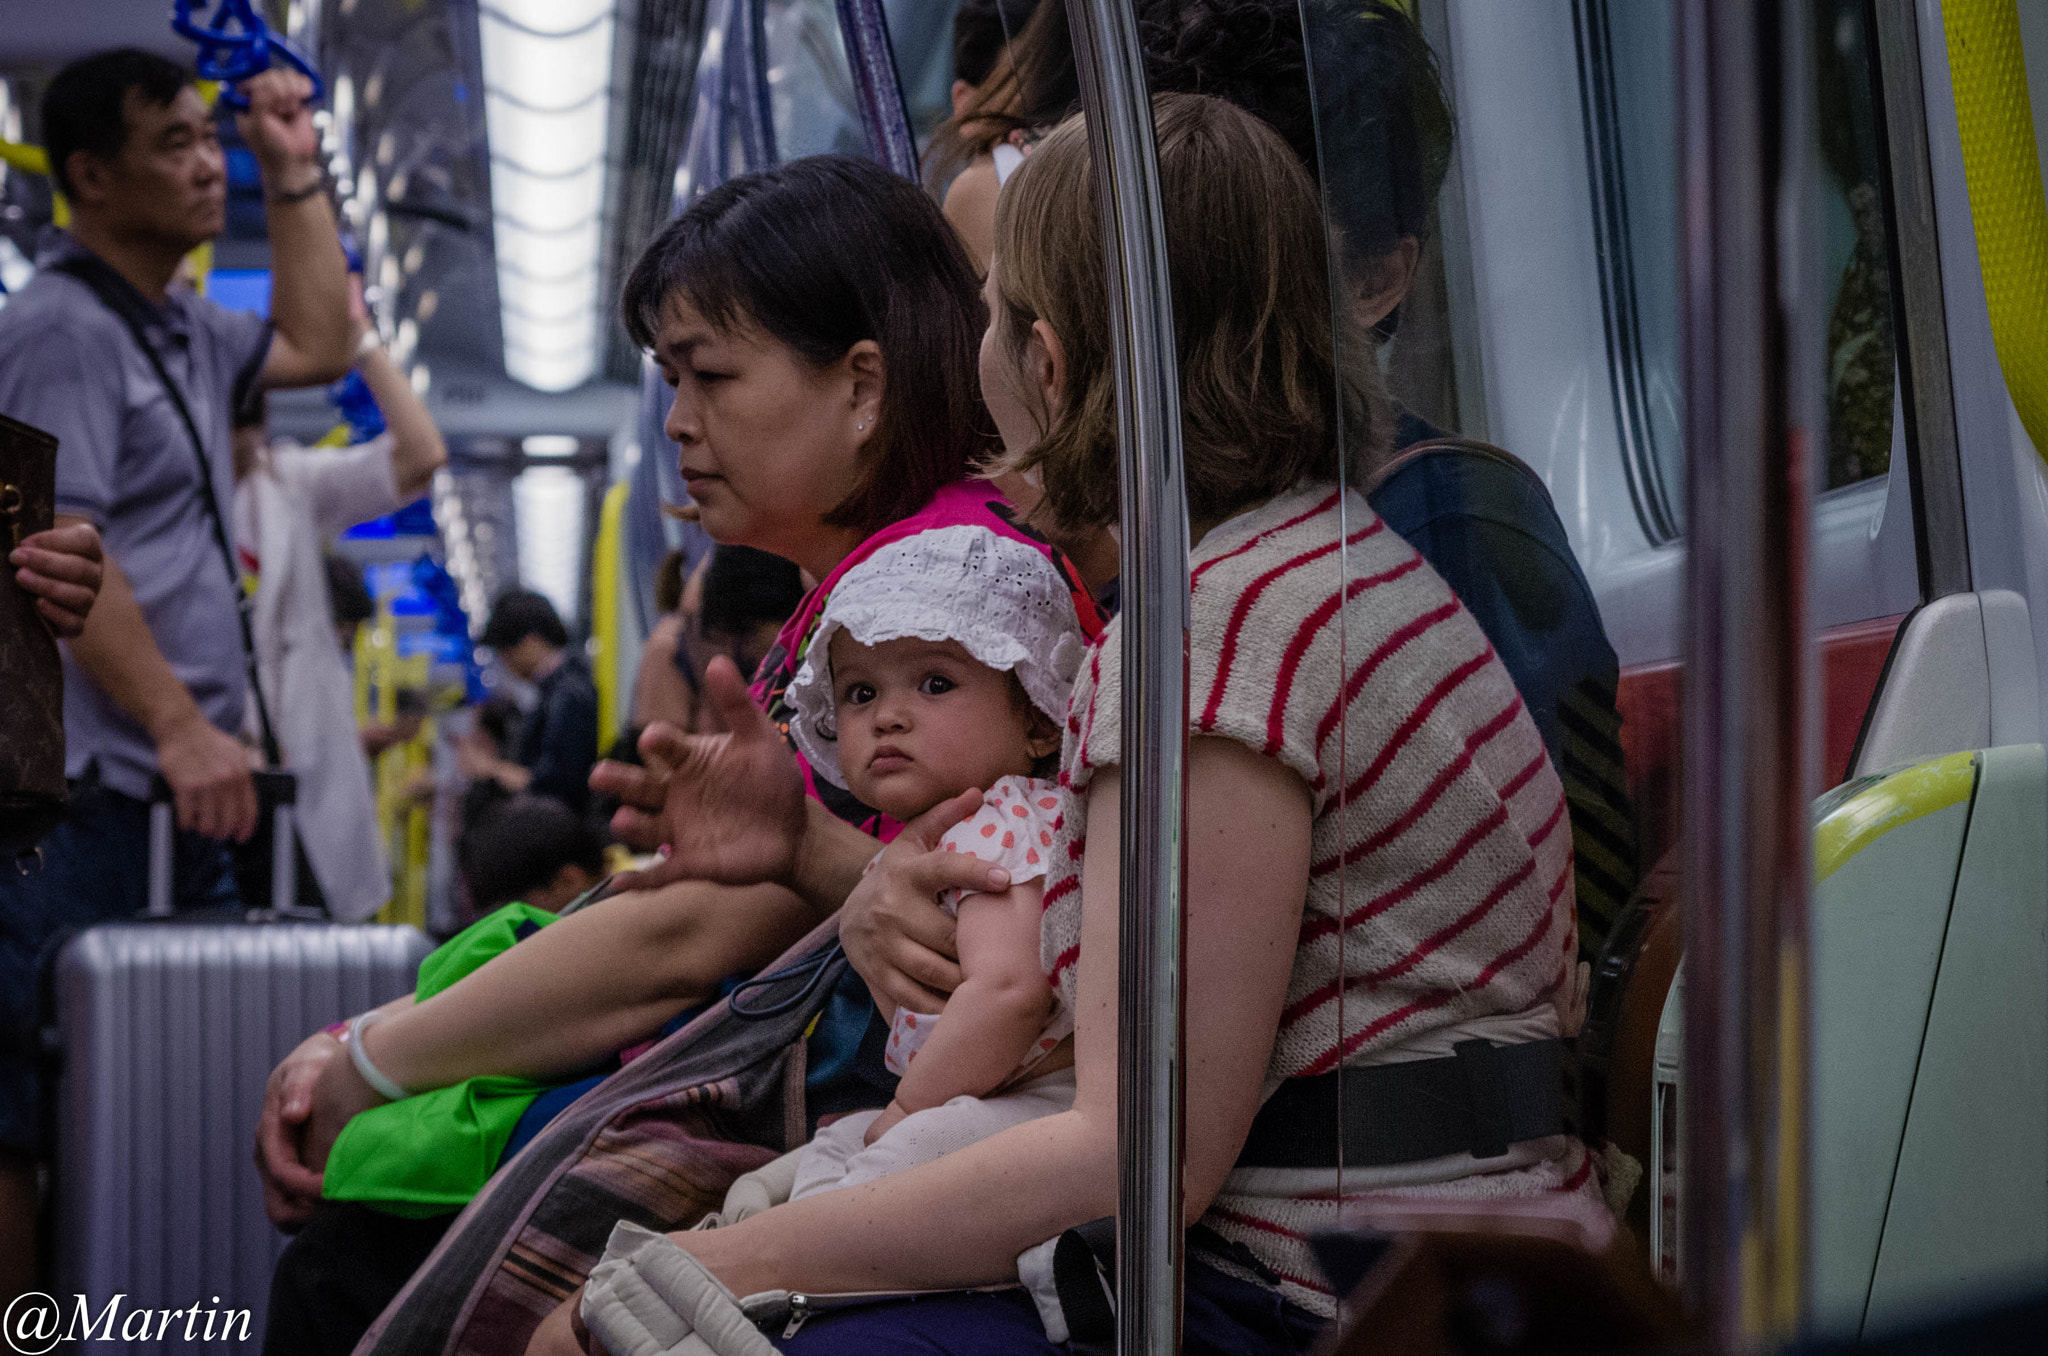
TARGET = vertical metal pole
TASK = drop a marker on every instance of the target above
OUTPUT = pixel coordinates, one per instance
(283, 861)
(1934, 460)
(749, 73)
(1751, 426)
(876, 87)
(162, 829)
(1154, 624)
(703, 164)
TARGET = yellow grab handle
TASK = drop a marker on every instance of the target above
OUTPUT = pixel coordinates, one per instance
(1989, 72)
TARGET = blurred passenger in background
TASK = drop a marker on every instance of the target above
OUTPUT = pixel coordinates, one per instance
(408, 716)
(290, 503)
(665, 688)
(348, 599)
(557, 742)
(748, 595)
(531, 850)
(492, 735)
(982, 29)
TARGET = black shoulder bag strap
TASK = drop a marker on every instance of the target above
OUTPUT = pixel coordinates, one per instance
(120, 297)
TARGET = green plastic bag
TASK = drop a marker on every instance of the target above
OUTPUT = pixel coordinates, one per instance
(427, 1155)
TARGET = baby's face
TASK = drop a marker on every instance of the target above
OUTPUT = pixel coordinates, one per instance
(922, 720)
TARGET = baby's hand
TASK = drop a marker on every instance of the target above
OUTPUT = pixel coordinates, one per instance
(884, 1123)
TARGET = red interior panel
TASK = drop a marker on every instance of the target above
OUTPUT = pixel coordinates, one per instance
(1852, 657)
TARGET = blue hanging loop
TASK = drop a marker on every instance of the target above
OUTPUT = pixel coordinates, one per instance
(815, 972)
(235, 44)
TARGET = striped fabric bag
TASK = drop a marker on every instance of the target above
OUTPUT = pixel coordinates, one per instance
(658, 1143)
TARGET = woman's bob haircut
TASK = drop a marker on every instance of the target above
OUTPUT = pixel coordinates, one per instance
(818, 255)
(1260, 387)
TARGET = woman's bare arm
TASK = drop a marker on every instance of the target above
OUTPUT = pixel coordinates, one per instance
(588, 985)
(1248, 850)
(971, 207)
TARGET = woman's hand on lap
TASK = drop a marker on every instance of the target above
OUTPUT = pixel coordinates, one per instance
(338, 1095)
(729, 807)
(892, 927)
(291, 1189)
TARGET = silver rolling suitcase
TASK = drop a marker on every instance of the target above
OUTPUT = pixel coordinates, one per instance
(167, 1032)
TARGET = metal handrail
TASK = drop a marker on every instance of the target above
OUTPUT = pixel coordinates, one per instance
(1154, 625)
(1928, 391)
(703, 164)
(1753, 414)
(748, 76)
(876, 88)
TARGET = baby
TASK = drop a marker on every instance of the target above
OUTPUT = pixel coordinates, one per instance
(942, 664)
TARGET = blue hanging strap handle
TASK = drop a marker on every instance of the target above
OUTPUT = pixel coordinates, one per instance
(814, 974)
(235, 44)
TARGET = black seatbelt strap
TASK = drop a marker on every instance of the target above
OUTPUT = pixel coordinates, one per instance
(1480, 1100)
(120, 297)
(1084, 1274)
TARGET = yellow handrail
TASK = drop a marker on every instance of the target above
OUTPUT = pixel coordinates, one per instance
(2003, 168)
(606, 553)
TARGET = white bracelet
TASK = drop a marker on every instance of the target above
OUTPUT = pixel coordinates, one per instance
(360, 1057)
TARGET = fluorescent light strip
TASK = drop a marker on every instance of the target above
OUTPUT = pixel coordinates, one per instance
(547, 77)
(547, 506)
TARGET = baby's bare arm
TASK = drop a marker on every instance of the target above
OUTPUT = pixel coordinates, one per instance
(998, 1010)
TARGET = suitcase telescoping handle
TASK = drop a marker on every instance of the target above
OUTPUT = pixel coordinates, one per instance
(276, 794)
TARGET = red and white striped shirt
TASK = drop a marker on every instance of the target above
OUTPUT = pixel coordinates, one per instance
(1440, 890)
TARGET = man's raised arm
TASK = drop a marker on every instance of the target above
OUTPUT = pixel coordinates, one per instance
(308, 272)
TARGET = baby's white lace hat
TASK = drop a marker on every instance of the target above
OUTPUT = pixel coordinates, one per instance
(1003, 600)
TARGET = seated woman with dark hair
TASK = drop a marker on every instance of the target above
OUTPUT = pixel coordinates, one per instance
(818, 324)
(1437, 853)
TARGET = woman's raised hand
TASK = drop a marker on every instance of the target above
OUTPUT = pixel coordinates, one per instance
(729, 807)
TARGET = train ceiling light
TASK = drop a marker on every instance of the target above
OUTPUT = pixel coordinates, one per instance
(547, 68)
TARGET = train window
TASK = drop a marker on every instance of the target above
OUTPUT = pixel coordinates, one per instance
(811, 90)
(1630, 98)
(809, 86)
(1631, 119)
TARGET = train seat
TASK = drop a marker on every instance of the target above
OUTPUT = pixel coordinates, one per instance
(1929, 968)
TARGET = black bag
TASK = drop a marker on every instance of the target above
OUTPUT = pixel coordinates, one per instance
(32, 793)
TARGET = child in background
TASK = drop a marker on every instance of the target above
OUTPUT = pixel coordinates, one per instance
(530, 850)
(940, 665)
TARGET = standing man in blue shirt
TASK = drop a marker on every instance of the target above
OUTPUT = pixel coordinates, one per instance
(156, 679)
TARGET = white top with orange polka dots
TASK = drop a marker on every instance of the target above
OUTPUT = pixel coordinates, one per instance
(1012, 829)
